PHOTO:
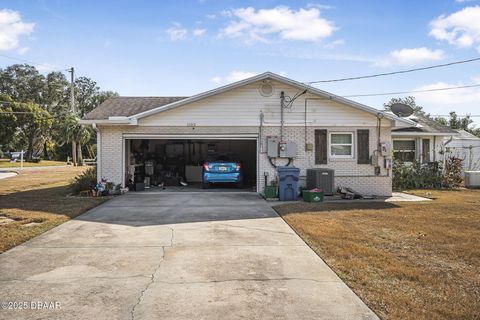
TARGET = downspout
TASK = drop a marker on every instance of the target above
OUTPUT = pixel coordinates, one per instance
(99, 150)
(282, 102)
(305, 124)
(261, 132)
(434, 148)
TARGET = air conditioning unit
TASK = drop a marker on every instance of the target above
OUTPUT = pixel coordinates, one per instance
(472, 179)
(321, 178)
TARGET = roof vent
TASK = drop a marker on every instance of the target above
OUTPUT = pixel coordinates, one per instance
(266, 88)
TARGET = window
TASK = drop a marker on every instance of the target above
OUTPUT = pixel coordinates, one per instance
(404, 150)
(341, 145)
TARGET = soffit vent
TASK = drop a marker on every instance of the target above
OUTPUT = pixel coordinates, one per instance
(266, 89)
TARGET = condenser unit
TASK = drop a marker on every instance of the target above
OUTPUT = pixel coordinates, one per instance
(322, 179)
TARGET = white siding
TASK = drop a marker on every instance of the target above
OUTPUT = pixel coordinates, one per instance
(242, 107)
(466, 149)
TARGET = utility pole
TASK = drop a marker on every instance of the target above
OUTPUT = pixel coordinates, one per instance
(72, 88)
(72, 106)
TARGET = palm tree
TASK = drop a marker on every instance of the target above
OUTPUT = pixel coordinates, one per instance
(75, 133)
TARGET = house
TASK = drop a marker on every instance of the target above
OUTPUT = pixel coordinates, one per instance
(422, 142)
(465, 146)
(322, 130)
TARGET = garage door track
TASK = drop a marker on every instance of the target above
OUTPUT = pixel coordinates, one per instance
(175, 256)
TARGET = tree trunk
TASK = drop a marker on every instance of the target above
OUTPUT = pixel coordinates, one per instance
(74, 153)
(80, 156)
(45, 151)
(29, 153)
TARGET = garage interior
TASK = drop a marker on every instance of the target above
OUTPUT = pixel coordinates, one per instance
(162, 164)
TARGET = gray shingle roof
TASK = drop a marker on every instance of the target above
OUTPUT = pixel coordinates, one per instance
(426, 125)
(127, 106)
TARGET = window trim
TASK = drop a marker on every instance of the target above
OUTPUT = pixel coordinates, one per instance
(351, 144)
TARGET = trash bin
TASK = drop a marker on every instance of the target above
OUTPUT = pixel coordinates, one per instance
(288, 183)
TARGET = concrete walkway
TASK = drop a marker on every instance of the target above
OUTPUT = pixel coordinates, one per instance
(6, 174)
(175, 256)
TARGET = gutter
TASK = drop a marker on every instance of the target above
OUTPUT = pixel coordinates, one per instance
(421, 134)
(111, 120)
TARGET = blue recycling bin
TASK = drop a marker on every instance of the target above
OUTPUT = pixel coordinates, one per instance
(288, 183)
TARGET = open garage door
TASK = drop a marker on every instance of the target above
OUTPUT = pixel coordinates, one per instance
(184, 164)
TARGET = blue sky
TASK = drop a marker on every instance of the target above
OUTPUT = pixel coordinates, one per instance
(186, 47)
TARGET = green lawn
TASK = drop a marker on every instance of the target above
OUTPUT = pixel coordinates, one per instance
(5, 163)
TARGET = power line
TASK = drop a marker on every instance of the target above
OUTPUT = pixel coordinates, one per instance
(396, 72)
(413, 91)
(31, 62)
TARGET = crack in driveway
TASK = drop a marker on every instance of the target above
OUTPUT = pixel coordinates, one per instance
(152, 278)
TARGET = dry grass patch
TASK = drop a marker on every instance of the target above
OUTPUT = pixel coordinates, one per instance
(408, 260)
(37, 201)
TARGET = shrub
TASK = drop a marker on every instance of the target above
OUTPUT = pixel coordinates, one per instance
(453, 173)
(427, 176)
(85, 181)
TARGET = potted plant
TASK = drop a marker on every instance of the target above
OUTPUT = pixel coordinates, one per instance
(271, 190)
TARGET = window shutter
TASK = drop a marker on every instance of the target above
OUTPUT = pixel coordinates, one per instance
(321, 146)
(363, 146)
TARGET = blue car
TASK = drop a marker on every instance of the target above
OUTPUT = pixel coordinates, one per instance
(222, 169)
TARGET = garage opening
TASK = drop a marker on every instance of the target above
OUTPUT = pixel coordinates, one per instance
(190, 164)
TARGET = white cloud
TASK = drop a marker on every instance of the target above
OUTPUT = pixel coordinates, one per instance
(410, 57)
(463, 101)
(46, 67)
(319, 6)
(258, 25)
(233, 76)
(177, 32)
(11, 29)
(23, 50)
(199, 32)
(335, 43)
(461, 28)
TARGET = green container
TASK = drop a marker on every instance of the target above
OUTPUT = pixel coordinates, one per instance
(271, 192)
(309, 196)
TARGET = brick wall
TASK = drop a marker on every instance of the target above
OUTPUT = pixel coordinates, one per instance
(360, 177)
(348, 173)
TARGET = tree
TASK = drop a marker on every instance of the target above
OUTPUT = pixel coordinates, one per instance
(56, 94)
(460, 123)
(22, 83)
(76, 134)
(32, 121)
(85, 92)
(7, 122)
(410, 101)
(457, 123)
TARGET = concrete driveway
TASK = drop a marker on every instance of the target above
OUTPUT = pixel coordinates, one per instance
(174, 256)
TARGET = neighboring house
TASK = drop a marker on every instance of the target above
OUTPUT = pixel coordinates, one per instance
(179, 132)
(465, 146)
(423, 142)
